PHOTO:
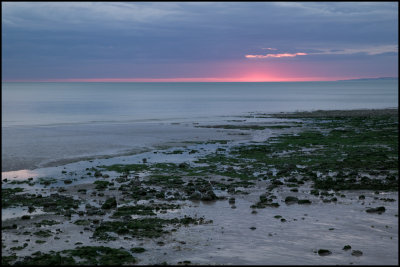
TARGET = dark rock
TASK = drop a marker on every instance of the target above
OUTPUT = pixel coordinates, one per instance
(183, 165)
(31, 209)
(127, 218)
(121, 180)
(378, 210)
(68, 213)
(290, 200)
(347, 247)
(324, 252)
(109, 203)
(208, 196)
(277, 182)
(303, 201)
(195, 196)
(388, 199)
(356, 253)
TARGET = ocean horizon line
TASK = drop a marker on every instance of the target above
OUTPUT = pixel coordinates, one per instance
(182, 80)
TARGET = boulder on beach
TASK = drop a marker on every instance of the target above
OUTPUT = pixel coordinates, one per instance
(378, 210)
(290, 200)
(356, 253)
(110, 203)
(324, 252)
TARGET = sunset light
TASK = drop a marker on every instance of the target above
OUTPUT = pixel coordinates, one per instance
(200, 133)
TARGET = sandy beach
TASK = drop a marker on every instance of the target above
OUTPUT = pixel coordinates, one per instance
(301, 188)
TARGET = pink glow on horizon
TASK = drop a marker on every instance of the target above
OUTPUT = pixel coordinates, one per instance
(253, 77)
(276, 55)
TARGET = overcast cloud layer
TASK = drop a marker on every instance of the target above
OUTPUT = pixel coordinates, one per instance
(53, 40)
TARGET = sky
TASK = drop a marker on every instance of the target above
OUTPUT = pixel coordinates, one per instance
(198, 41)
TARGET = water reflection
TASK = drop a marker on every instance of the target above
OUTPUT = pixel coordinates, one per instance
(21, 174)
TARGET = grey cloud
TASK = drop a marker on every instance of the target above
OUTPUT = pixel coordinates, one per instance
(75, 33)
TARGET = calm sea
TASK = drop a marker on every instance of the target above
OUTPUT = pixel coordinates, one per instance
(59, 103)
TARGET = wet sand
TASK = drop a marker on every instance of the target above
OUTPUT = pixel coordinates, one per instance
(60, 144)
(235, 233)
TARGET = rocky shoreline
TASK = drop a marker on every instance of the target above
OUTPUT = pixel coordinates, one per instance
(302, 188)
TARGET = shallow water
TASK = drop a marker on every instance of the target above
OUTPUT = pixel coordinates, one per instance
(229, 239)
(48, 123)
(48, 149)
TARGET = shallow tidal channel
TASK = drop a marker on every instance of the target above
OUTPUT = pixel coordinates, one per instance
(272, 196)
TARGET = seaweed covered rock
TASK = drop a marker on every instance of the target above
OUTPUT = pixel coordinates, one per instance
(324, 252)
(303, 201)
(291, 200)
(356, 253)
(378, 210)
(209, 195)
(195, 196)
(110, 203)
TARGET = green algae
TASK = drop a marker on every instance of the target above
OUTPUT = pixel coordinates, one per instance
(102, 185)
(167, 181)
(19, 247)
(101, 255)
(43, 233)
(87, 255)
(144, 227)
(82, 222)
(367, 145)
(303, 201)
(109, 203)
(53, 203)
(46, 223)
(8, 260)
(137, 250)
(46, 181)
(126, 168)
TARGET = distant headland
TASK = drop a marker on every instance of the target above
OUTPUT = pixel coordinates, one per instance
(370, 79)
